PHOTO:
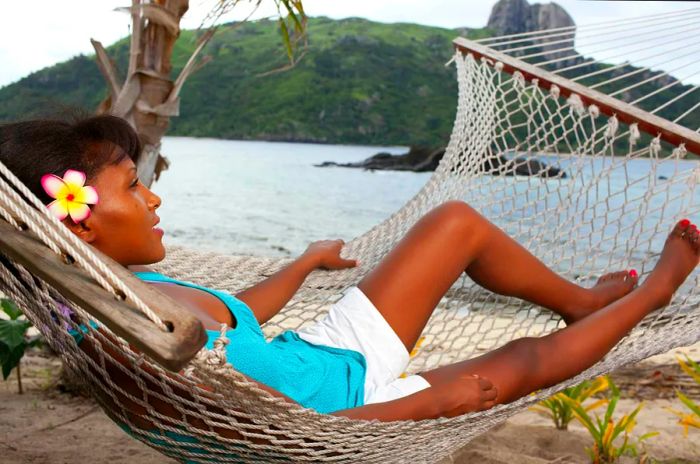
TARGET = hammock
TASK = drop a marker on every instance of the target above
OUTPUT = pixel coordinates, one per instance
(597, 214)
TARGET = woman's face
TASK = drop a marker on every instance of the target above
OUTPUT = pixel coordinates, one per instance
(121, 224)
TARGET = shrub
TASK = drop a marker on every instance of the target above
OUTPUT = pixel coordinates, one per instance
(14, 340)
(691, 419)
(559, 407)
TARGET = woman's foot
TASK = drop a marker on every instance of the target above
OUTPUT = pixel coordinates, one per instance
(679, 257)
(610, 287)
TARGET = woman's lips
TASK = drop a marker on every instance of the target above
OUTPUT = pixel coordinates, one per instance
(158, 231)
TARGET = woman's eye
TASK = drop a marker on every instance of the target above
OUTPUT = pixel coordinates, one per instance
(135, 182)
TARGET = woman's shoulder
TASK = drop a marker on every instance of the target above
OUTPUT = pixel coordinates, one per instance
(210, 310)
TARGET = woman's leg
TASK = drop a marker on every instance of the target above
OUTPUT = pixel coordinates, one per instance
(528, 364)
(453, 238)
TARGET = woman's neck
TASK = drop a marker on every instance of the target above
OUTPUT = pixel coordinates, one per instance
(139, 268)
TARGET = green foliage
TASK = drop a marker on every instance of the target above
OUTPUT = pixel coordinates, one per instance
(559, 407)
(605, 430)
(691, 419)
(360, 82)
(13, 339)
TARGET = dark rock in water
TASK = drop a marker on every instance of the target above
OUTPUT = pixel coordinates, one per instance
(521, 166)
(663, 178)
(422, 159)
(418, 159)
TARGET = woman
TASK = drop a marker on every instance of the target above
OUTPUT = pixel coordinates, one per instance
(352, 359)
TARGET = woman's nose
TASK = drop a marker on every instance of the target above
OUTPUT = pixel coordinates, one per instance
(155, 201)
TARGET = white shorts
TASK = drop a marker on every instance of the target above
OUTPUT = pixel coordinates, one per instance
(354, 323)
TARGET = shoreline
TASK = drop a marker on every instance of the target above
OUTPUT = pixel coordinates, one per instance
(290, 141)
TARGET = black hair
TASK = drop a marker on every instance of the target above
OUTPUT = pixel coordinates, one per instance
(33, 148)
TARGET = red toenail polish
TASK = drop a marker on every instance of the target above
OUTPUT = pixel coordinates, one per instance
(684, 223)
(633, 273)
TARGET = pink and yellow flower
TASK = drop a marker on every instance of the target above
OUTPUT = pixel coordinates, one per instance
(71, 194)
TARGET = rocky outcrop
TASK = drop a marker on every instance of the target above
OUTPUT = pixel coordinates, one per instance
(509, 17)
(421, 159)
(518, 16)
(548, 16)
(418, 159)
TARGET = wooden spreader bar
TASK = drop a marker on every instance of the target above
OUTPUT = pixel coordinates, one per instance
(651, 124)
(173, 350)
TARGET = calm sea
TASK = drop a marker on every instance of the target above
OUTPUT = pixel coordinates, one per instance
(267, 198)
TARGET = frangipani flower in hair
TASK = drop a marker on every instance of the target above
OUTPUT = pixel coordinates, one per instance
(71, 194)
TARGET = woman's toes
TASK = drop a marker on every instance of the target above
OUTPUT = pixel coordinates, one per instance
(680, 227)
(691, 232)
(632, 277)
(693, 235)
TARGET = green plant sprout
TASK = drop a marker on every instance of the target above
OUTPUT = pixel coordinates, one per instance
(13, 340)
(604, 431)
(691, 419)
(558, 407)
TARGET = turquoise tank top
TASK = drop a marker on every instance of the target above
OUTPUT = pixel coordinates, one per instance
(320, 377)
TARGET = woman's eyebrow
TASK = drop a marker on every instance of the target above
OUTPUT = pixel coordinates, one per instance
(130, 174)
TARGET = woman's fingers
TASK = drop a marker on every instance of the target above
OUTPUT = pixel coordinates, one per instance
(485, 384)
(487, 405)
(490, 394)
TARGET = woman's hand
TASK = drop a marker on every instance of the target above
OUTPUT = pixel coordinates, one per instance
(466, 393)
(269, 296)
(326, 254)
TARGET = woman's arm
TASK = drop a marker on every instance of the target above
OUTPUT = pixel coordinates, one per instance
(268, 297)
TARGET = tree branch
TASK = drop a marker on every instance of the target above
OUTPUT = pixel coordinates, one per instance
(107, 69)
(156, 14)
(189, 67)
(136, 29)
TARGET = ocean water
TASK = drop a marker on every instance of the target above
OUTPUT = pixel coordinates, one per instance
(267, 198)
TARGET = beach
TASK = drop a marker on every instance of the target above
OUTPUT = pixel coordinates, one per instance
(48, 424)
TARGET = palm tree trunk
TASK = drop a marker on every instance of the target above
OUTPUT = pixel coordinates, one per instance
(146, 99)
(156, 86)
(149, 97)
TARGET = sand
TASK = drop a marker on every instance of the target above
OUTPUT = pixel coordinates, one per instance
(45, 425)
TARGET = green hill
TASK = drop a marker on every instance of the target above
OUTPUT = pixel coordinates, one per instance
(361, 82)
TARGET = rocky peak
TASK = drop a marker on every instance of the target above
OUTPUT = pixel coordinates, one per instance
(518, 16)
(509, 17)
(548, 16)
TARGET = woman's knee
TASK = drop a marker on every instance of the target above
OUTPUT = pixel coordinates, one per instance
(525, 353)
(457, 215)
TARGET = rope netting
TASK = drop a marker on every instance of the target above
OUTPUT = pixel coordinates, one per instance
(600, 199)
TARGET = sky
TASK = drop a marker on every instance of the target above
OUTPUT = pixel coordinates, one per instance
(39, 33)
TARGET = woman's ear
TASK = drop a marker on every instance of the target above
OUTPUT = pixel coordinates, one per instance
(82, 229)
